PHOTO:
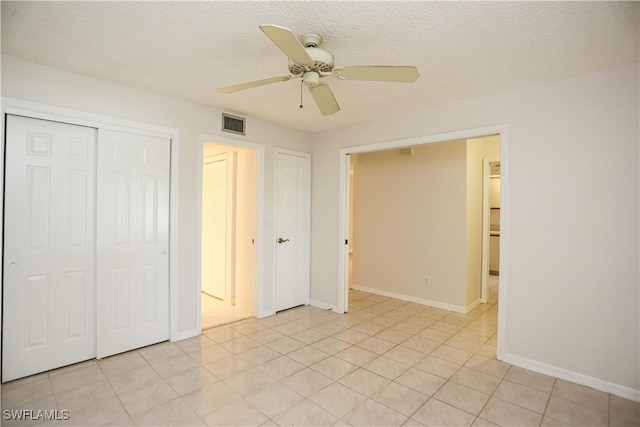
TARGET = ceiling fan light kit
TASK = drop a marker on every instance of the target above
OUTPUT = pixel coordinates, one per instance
(312, 63)
(311, 79)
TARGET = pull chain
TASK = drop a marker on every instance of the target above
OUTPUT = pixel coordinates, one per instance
(301, 94)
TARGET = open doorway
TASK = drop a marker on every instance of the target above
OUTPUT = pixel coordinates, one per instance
(421, 245)
(228, 256)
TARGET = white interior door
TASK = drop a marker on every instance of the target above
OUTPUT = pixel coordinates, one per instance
(293, 189)
(214, 226)
(132, 241)
(49, 271)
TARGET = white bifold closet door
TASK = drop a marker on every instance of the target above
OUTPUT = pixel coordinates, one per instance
(86, 223)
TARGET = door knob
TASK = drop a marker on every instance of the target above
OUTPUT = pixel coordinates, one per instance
(281, 240)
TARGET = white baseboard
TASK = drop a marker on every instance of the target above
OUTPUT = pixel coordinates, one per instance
(473, 305)
(184, 335)
(265, 314)
(574, 377)
(323, 305)
(436, 304)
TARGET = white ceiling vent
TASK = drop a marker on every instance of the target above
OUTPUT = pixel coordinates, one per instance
(233, 124)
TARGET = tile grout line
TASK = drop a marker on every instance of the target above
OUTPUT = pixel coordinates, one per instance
(114, 391)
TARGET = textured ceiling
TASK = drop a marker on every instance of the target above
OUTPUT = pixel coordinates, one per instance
(187, 49)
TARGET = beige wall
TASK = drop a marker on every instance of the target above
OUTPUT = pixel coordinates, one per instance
(571, 306)
(490, 146)
(473, 279)
(245, 225)
(409, 223)
(477, 150)
(419, 217)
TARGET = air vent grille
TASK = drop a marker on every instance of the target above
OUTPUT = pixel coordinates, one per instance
(406, 151)
(233, 124)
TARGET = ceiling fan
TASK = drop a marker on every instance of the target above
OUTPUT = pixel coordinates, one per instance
(312, 64)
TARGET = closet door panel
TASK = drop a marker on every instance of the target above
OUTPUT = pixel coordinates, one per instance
(49, 246)
(133, 241)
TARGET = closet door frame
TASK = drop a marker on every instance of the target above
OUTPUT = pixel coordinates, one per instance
(74, 117)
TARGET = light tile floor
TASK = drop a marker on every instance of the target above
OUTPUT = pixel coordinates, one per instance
(386, 363)
(214, 312)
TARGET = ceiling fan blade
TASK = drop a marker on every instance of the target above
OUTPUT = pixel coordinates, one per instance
(380, 73)
(323, 96)
(255, 83)
(288, 43)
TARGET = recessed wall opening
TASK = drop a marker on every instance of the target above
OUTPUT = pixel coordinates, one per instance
(228, 234)
(420, 227)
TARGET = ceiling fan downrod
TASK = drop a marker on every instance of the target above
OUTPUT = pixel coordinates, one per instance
(311, 40)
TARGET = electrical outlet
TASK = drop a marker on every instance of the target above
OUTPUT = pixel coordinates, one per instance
(426, 281)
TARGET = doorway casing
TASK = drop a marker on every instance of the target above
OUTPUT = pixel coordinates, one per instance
(344, 209)
(258, 306)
